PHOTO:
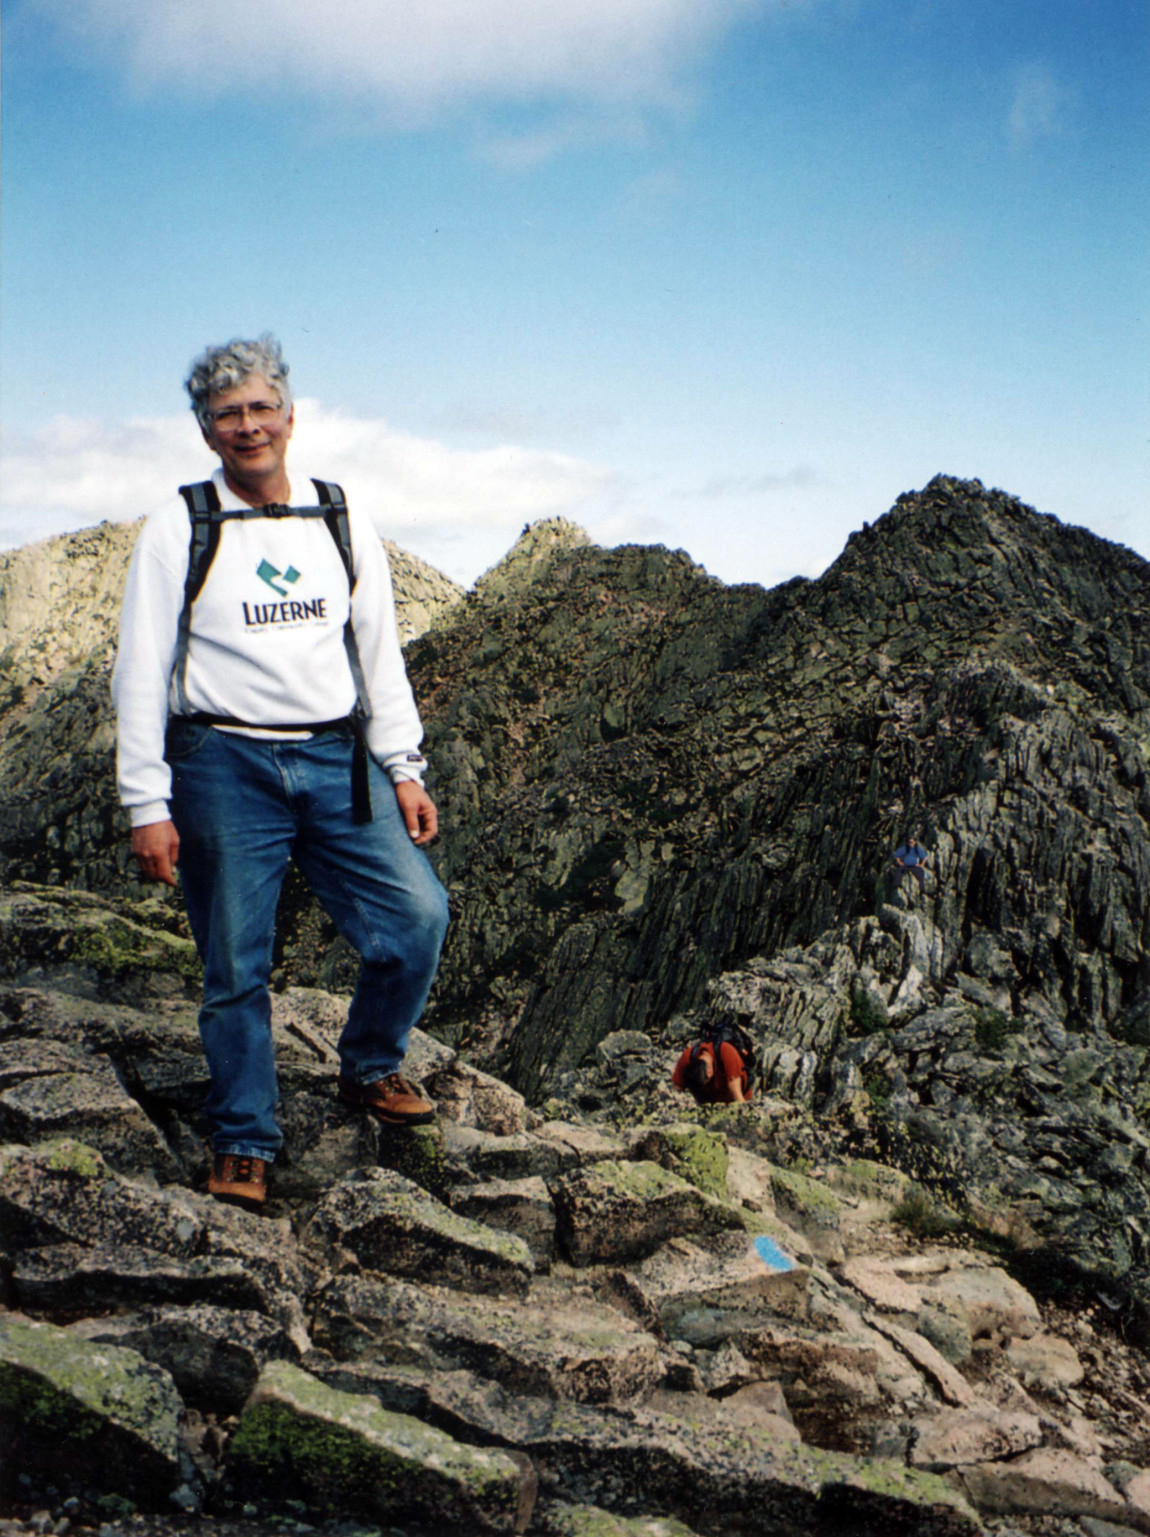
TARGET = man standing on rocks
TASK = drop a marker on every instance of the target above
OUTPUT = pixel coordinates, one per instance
(264, 714)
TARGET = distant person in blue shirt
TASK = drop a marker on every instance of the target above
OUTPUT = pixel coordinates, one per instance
(910, 859)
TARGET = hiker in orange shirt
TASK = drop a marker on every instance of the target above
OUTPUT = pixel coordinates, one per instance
(695, 1072)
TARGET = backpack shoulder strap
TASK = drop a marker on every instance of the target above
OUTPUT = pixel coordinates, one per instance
(334, 504)
(205, 516)
(335, 515)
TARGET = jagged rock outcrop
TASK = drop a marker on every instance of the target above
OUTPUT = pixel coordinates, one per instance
(650, 778)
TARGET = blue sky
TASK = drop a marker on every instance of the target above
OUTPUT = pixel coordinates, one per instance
(727, 275)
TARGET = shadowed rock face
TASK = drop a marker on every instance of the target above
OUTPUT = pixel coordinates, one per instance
(649, 778)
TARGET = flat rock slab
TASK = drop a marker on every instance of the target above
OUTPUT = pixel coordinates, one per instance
(301, 1439)
(519, 1155)
(1047, 1482)
(880, 1283)
(980, 1434)
(710, 1292)
(70, 1278)
(520, 1206)
(469, 1097)
(553, 1345)
(613, 1212)
(993, 1304)
(1045, 1360)
(394, 1227)
(213, 1354)
(950, 1383)
(581, 1144)
(77, 1412)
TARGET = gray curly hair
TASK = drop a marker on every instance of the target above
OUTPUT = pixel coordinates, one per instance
(223, 368)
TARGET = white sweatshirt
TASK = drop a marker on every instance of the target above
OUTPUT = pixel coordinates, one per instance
(266, 640)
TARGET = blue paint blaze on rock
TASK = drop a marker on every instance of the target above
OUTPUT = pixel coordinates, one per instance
(772, 1256)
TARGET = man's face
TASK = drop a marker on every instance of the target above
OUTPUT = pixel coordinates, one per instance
(252, 445)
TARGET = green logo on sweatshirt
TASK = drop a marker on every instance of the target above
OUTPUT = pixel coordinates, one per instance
(268, 573)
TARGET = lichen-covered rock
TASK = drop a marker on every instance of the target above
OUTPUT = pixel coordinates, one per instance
(520, 1206)
(552, 1345)
(394, 1227)
(74, 1413)
(64, 1191)
(109, 947)
(57, 1091)
(300, 1439)
(213, 1354)
(699, 1156)
(622, 1211)
(590, 1521)
(812, 1208)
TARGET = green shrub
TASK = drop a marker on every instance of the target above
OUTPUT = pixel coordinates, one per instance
(992, 1028)
(868, 1014)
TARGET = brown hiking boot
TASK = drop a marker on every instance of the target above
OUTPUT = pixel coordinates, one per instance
(392, 1100)
(239, 1180)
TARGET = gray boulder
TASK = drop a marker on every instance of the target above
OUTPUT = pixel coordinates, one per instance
(611, 1211)
(298, 1438)
(394, 1227)
(79, 1414)
(213, 1354)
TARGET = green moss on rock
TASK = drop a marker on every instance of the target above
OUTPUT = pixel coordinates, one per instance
(76, 1410)
(299, 1439)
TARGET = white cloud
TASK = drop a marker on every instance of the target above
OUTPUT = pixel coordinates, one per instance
(414, 59)
(1038, 105)
(722, 486)
(462, 507)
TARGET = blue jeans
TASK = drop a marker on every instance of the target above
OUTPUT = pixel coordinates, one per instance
(243, 808)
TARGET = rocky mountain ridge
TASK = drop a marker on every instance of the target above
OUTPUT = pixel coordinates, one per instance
(667, 802)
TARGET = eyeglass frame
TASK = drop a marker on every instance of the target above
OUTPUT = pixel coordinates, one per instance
(266, 408)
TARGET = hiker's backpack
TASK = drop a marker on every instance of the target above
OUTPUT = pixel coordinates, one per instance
(725, 1033)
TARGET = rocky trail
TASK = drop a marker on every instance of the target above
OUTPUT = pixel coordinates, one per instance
(614, 1314)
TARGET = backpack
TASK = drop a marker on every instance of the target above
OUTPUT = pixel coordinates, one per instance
(207, 518)
(725, 1033)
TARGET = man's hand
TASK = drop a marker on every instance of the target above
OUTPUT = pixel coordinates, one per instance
(157, 848)
(418, 810)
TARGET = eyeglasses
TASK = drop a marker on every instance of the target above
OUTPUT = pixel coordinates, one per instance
(231, 418)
